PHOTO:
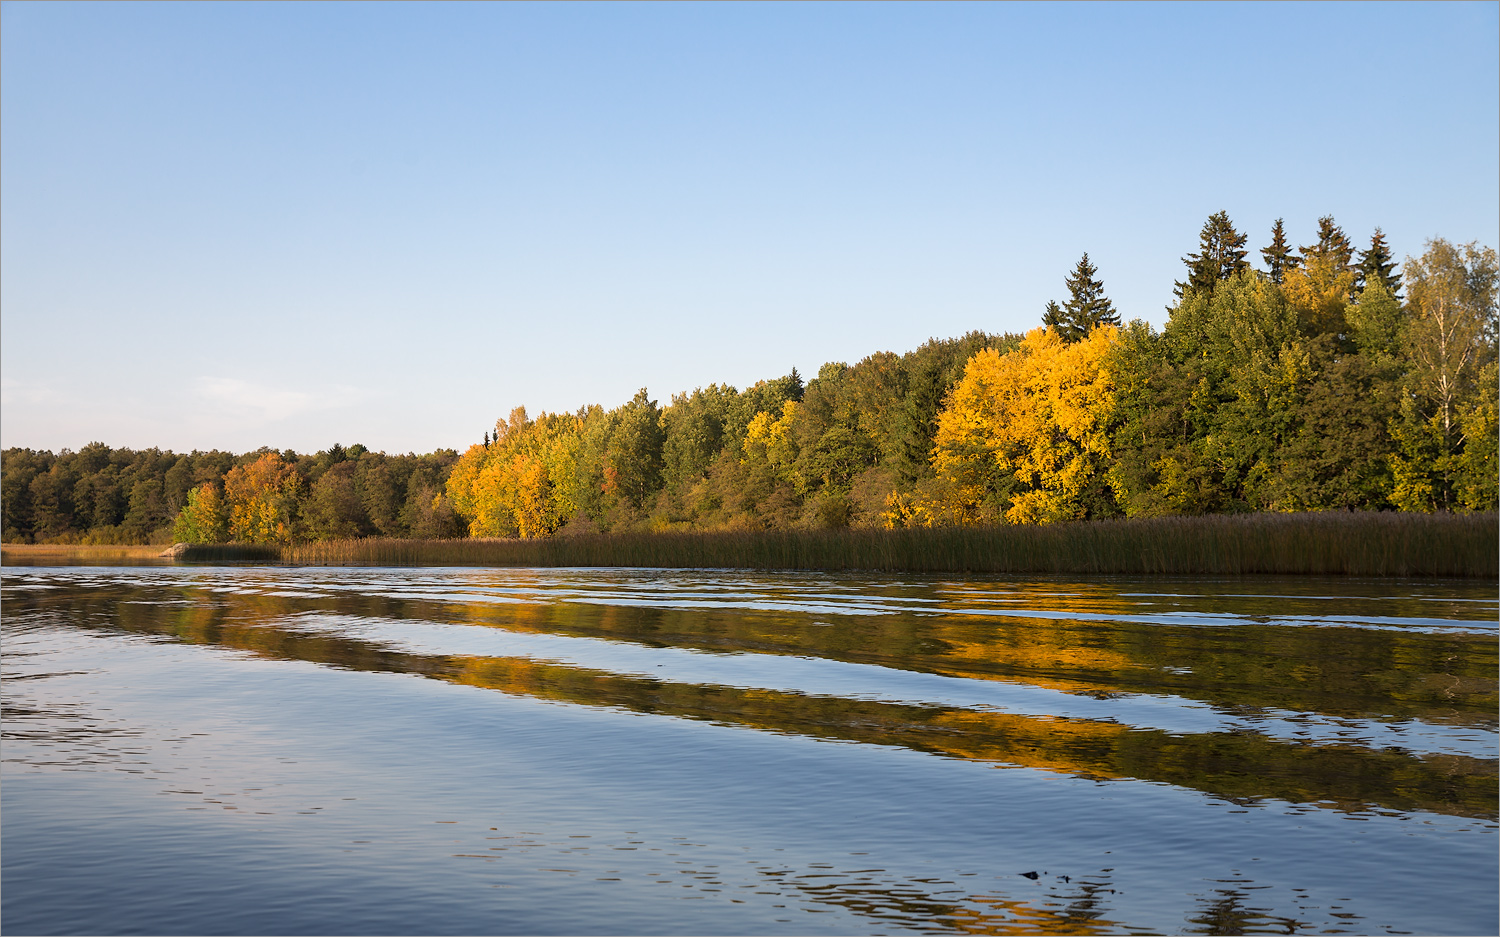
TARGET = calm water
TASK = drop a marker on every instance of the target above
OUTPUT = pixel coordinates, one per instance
(266, 750)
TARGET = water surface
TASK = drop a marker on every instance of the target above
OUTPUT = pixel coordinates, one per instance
(273, 750)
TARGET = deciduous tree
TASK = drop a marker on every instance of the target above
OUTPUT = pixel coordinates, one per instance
(1026, 434)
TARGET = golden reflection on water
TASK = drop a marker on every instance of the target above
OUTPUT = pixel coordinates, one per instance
(1438, 678)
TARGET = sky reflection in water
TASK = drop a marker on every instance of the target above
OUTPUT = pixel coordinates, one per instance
(242, 749)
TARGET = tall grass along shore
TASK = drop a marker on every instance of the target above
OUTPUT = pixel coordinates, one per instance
(1327, 543)
(1330, 543)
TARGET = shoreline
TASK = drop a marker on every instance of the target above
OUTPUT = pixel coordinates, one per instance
(1314, 543)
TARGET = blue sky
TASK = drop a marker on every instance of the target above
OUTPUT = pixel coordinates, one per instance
(234, 225)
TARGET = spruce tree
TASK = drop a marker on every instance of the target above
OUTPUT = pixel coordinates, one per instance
(1221, 254)
(1332, 243)
(1378, 264)
(1087, 306)
(1053, 316)
(1279, 256)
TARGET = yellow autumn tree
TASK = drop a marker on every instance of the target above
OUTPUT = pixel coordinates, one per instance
(1319, 291)
(1025, 435)
(525, 483)
(201, 520)
(261, 500)
(770, 440)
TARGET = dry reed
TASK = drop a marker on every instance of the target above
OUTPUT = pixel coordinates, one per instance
(1331, 543)
(76, 554)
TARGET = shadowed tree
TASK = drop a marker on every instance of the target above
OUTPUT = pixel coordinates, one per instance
(1221, 254)
(1279, 256)
(1376, 263)
(1332, 244)
(633, 470)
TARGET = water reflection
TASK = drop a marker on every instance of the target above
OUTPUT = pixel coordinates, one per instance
(1408, 720)
(1375, 704)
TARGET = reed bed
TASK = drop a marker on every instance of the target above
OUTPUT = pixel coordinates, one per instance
(75, 554)
(232, 553)
(1331, 543)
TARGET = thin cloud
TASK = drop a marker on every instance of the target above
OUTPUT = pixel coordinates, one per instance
(245, 400)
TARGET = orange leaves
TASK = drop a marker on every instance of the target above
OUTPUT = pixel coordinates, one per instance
(262, 500)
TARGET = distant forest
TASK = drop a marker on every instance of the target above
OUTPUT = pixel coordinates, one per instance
(1323, 378)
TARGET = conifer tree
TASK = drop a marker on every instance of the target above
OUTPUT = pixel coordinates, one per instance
(1279, 256)
(1053, 316)
(1333, 253)
(1087, 306)
(1221, 254)
(1332, 243)
(1378, 264)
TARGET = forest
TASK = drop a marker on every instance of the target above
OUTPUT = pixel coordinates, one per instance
(1324, 377)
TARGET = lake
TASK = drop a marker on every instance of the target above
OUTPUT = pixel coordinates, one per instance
(588, 751)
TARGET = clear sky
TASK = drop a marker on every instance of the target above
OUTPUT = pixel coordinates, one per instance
(233, 225)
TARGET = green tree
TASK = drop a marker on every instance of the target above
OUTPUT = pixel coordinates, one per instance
(1336, 454)
(146, 513)
(1221, 255)
(333, 509)
(1333, 244)
(18, 469)
(1087, 307)
(1203, 409)
(1279, 256)
(1377, 324)
(1377, 265)
(203, 519)
(1450, 340)
(634, 457)
(694, 432)
(1054, 317)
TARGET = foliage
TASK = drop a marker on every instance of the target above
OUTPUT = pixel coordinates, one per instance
(1087, 307)
(1204, 408)
(1319, 290)
(1449, 390)
(1024, 435)
(1220, 256)
(261, 500)
(1312, 386)
(1279, 256)
(524, 483)
(1376, 265)
(203, 519)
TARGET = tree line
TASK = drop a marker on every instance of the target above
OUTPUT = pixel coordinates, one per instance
(104, 495)
(1326, 378)
(1329, 378)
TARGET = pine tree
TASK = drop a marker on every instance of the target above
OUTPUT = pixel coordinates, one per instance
(1053, 316)
(1378, 264)
(1221, 254)
(1087, 306)
(1332, 243)
(1279, 256)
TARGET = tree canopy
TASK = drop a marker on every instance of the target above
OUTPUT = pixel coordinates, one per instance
(1314, 384)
